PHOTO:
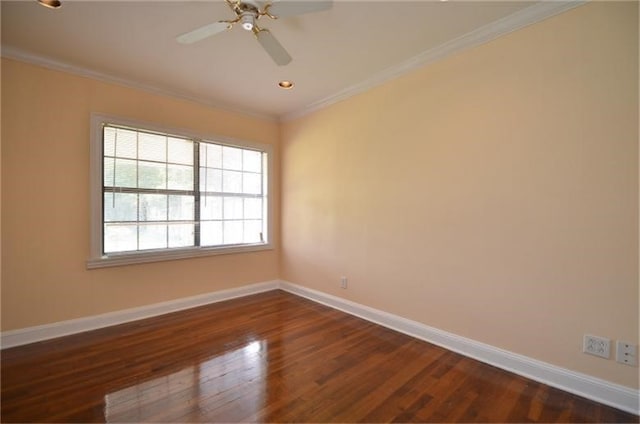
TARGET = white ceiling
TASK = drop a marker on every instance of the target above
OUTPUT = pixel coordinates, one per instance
(335, 52)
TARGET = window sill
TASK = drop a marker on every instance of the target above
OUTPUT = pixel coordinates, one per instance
(169, 255)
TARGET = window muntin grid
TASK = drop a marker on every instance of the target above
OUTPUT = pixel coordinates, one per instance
(162, 192)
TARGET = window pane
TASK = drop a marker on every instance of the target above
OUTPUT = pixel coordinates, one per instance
(232, 232)
(252, 230)
(180, 177)
(251, 183)
(210, 180)
(180, 151)
(211, 233)
(126, 143)
(231, 158)
(152, 147)
(125, 173)
(153, 207)
(251, 161)
(152, 175)
(109, 139)
(210, 207)
(252, 208)
(232, 208)
(124, 207)
(108, 166)
(140, 169)
(231, 182)
(153, 236)
(181, 235)
(181, 208)
(211, 155)
(120, 238)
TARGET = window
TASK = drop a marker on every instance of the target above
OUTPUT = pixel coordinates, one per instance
(160, 194)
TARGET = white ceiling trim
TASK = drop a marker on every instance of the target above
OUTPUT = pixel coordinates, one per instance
(513, 22)
(56, 65)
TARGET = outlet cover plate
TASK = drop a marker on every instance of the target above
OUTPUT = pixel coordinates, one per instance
(343, 282)
(598, 346)
(627, 353)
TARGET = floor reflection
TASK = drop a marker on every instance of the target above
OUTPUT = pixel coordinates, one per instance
(232, 383)
(315, 364)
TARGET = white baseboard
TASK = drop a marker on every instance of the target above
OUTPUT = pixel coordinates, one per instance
(615, 395)
(64, 328)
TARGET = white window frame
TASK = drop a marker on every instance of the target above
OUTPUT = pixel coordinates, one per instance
(98, 260)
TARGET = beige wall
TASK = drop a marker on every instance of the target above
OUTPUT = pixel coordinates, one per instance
(45, 198)
(493, 194)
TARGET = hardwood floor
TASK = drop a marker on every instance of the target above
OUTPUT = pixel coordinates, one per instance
(272, 357)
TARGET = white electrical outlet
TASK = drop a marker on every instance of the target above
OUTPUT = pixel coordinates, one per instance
(343, 282)
(598, 346)
(626, 353)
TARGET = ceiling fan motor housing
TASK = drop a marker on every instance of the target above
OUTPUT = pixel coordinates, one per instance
(248, 12)
(247, 20)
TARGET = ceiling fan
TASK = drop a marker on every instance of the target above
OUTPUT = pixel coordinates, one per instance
(248, 12)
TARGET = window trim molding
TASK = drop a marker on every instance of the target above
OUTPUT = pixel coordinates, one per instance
(98, 260)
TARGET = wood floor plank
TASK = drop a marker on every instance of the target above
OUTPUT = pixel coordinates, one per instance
(271, 357)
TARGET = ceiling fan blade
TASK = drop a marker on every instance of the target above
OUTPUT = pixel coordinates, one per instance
(203, 32)
(285, 8)
(273, 47)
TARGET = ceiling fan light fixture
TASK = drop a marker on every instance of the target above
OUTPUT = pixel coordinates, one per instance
(247, 21)
(285, 85)
(51, 4)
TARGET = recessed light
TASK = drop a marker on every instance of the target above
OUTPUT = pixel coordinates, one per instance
(51, 4)
(286, 85)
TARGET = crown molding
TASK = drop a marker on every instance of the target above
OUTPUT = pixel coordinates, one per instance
(484, 34)
(21, 55)
(530, 15)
